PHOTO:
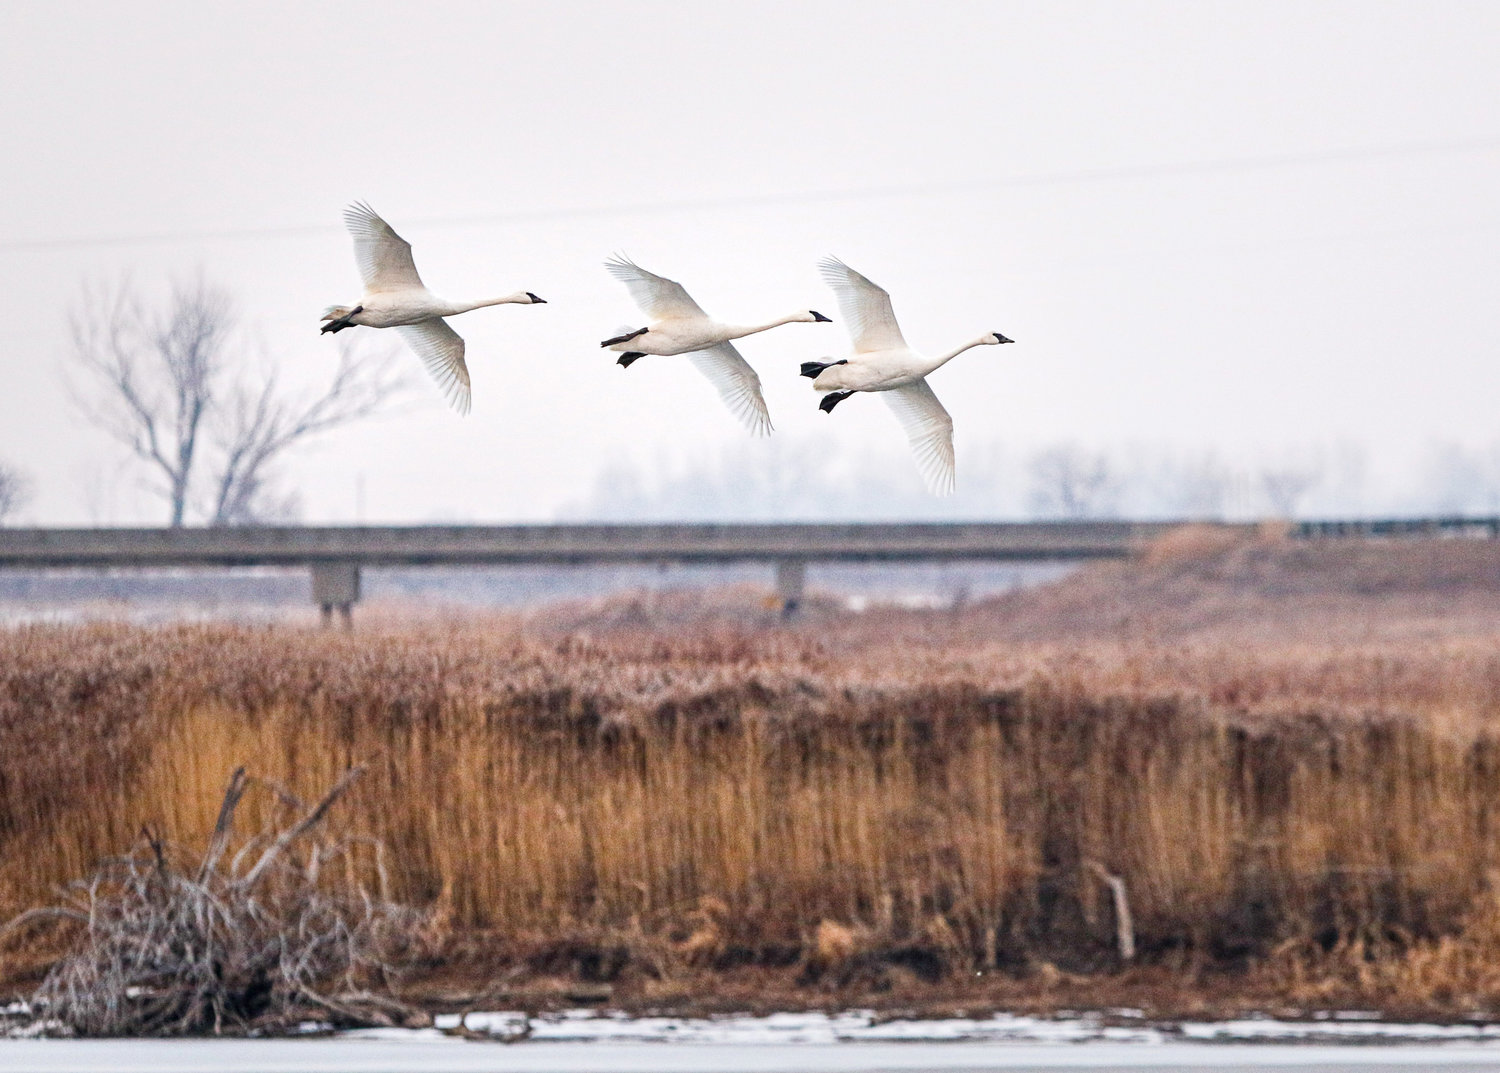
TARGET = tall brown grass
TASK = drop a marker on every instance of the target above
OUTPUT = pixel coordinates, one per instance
(737, 796)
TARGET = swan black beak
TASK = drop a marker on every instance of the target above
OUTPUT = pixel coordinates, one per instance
(818, 318)
(1001, 339)
(535, 300)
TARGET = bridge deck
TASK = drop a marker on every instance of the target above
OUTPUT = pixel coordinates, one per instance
(564, 544)
(336, 554)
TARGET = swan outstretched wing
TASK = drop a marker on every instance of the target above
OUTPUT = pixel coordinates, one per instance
(384, 257)
(442, 351)
(866, 307)
(929, 430)
(658, 297)
(737, 384)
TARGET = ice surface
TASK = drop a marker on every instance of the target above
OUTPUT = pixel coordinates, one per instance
(585, 1041)
(422, 1053)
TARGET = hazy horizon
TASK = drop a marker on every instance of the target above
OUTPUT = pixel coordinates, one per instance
(1261, 235)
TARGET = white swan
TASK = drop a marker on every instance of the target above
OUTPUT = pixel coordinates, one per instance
(395, 297)
(680, 326)
(882, 362)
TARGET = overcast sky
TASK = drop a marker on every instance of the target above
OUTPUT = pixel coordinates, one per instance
(1243, 226)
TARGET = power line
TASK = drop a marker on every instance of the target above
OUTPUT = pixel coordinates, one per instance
(1224, 165)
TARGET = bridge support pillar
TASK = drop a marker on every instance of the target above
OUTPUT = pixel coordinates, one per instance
(335, 586)
(791, 576)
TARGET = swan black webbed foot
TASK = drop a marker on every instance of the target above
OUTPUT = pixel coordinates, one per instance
(346, 321)
(812, 369)
(627, 337)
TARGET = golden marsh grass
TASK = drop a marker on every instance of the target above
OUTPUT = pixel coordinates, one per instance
(1319, 814)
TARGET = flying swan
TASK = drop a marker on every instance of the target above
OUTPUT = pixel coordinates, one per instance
(881, 361)
(679, 326)
(395, 297)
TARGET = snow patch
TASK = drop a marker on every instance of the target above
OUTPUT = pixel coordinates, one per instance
(1340, 1030)
(862, 1026)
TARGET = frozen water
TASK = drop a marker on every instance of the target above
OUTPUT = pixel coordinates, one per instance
(851, 1042)
(425, 1053)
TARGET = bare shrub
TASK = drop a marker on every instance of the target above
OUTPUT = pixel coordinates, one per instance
(170, 945)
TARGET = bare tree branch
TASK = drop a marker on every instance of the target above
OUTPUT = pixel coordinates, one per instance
(261, 425)
(174, 387)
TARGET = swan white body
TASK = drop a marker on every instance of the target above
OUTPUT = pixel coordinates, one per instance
(395, 297)
(882, 361)
(680, 326)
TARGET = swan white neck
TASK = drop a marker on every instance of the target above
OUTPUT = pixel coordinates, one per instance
(739, 331)
(938, 362)
(520, 297)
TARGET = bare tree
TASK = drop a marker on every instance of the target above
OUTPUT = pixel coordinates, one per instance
(1286, 485)
(15, 490)
(153, 374)
(1070, 482)
(174, 386)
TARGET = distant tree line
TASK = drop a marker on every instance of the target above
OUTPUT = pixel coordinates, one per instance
(790, 478)
(787, 479)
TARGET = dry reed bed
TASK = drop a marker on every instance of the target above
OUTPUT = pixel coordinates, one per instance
(1313, 810)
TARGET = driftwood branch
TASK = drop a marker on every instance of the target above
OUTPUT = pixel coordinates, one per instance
(302, 827)
(40, 914)
(219, 841)
(1124, 923)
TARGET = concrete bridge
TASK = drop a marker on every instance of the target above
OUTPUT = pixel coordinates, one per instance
(335, 554)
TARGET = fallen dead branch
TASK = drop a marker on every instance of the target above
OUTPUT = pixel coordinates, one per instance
(164, 945)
